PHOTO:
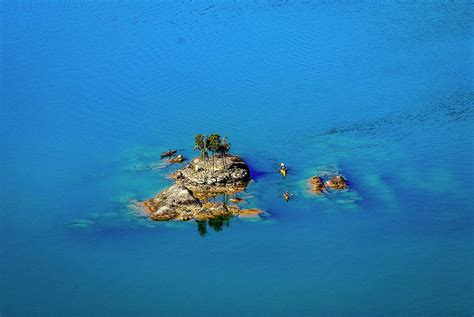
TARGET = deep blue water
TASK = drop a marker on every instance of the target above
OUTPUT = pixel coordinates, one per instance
(380, 91)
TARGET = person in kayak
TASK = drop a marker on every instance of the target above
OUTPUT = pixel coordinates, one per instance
(287, 196)
(283, 169)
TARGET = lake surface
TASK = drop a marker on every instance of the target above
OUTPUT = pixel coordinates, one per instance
(379, 91)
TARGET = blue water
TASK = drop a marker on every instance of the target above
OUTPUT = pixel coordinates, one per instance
(380, 91)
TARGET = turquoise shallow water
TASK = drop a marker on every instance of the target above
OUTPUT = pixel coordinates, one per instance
(92, 92)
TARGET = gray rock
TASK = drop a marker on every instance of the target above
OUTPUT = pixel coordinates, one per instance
(164, 213)
(219, 175)
(170, 202)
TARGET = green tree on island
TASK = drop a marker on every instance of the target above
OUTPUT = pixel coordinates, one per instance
(212, 144)
(223, 149)
(200, 144)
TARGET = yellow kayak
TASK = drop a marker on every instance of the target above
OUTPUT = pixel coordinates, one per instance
(283, 172)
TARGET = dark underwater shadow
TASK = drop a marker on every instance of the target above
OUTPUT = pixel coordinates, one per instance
(455, 108)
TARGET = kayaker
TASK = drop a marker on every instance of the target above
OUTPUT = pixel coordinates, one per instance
(287, 196)
(283, 169)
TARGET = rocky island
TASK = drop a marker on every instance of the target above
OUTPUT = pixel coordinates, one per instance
(193, 195)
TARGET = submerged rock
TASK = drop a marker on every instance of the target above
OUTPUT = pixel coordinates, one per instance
(250, 213)
(337, 182)
(236, 200)
(81, 223)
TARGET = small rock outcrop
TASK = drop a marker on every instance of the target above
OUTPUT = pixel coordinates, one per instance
(177, 159)
(317, 185)
(337, 182)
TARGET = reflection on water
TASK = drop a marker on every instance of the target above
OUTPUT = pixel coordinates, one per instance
(202, 227)
(216, 223)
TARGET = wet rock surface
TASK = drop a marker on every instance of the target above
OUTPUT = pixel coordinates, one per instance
(317, 185)
(250, 213)
(337, 182)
